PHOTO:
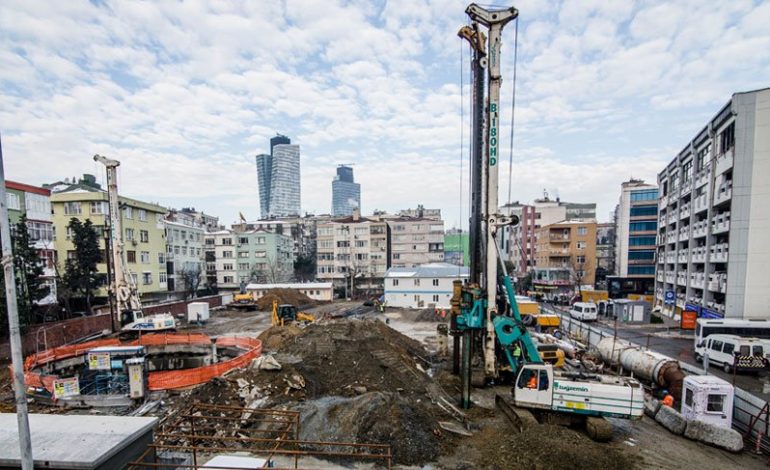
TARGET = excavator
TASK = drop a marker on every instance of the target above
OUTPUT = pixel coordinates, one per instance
(286, 313)
(129, 308)
(485, 319)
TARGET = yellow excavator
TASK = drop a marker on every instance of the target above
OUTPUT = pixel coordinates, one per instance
(286, 313)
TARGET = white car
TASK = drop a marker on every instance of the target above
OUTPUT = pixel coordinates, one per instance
(583, 311)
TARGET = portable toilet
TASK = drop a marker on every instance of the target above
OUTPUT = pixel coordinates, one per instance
(632, 311)
(197, 312)
(709, 399)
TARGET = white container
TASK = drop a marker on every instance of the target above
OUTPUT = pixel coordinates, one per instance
(197, 312)
(709, 399)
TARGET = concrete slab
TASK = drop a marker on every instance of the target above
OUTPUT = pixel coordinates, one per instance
(72, 441)
(670, 419)
(725, 438)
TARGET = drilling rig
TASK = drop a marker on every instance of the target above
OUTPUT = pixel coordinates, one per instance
(122, 285)
(486, 321)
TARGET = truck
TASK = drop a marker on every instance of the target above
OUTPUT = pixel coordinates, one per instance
(485, 317)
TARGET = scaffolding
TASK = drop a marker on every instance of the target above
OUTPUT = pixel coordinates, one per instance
(191, 437)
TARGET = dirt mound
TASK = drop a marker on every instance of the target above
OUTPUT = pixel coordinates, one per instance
(274, 337)
(283, 296)
(545, 446)
(431, 315)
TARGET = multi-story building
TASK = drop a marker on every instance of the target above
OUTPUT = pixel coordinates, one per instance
(421, 212)
(35, 204)
(302, 230)
(714, 216)
(636, 226)
(353, 246)
(415, 241)
(251, 256)
(456, 247)
(565, 256)
(143, 232)
(605, 253)
(278, 175)
(428, 285)
(346, 193)
(184, 252)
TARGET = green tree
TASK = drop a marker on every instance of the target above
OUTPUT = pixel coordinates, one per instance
(28, 270)
(304, 268)
(80, 275)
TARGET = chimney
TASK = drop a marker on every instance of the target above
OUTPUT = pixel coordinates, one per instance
(356, 214)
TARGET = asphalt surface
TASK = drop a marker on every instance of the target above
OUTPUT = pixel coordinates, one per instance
(679, 345)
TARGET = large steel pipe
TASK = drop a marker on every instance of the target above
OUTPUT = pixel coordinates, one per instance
(645, 364)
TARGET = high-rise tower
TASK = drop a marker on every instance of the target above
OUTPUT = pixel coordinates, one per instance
(278, 176)
(346, 193)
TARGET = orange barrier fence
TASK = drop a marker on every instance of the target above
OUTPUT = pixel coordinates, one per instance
(170, 379)
(156, 380)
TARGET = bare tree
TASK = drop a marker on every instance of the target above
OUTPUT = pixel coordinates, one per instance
(578, 271)
(272, 271)
(191, 277)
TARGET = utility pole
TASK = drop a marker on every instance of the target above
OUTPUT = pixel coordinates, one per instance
(20, 390)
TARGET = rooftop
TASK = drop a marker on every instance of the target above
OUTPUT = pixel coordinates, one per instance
(293, 285)
(430, 270)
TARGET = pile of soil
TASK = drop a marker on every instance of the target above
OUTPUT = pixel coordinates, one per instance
(545, 446)
(430, 315)
(284, 296)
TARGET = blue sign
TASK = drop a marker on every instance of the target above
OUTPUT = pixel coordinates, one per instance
(708, 313)
(669, 297)
(691, 307)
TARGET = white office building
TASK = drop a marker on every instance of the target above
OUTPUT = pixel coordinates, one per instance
(714, 216)
(428, 285)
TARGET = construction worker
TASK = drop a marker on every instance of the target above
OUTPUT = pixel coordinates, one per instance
(532, 383)
(516, 351)
(668, 399)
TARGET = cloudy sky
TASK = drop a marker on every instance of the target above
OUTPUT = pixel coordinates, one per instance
(185, 94)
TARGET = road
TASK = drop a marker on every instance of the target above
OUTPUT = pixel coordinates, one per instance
(678, 345)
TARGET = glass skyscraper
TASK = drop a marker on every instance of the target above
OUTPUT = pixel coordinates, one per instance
(278, 177)
(346, 193)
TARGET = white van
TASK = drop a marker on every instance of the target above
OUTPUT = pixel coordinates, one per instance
(748, 354)
(583, 311)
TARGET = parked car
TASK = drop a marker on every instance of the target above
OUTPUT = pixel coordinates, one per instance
(748, 354)
(583, 311)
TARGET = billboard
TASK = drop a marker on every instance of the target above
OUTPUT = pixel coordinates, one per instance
(66, 387)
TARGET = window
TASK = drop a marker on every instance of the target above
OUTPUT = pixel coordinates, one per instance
(435, 298)
(644, 195)
(716, 346)
(71, 254)
(227, 241)
(70, 233)
(142, 215)
(361, 243)
(161, 258)
(435, 282)
(395, 282)
(144, 257)
(162, 278)
(243, 266)
(641, 270)
(128, 212)
(144, 236)
(243, 254)
(646, 255)
(176, 249)
(13, 201)
(728, 348)
(643, 226)
(129, 234)
(260, 240)
(543, 383)
(416, 298)
(582, 231)
(146, 278)
(184, 250)
(755, 351)
(687, 171)
(131, 256)
(227, 254)
(72, 208)
(639, 211)
(416, 282)
(727, 138)
(641, 240)
(688, 397)
(227, 279)
(243, 240)
(581, 245)
(715, 403)
(703, 157)
(260, 254)
(98, 208)
(227, 266)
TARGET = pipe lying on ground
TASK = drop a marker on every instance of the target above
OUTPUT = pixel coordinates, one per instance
(645, 364)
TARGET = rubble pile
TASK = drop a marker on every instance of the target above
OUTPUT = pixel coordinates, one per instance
(284, 296)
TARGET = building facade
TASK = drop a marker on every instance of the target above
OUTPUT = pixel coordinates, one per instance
(185, 265)
(35, 203)
(636, 229)
(143, 234)
(425, 286)
(714, 216)
(302, 230)
(415, 241)
(278, 177)
(457, 247)
(565, 256)
(354, 247)
(605, 253)
(346, 193)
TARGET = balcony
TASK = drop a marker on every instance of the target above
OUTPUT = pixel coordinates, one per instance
(720, 223)
(670, 277)
(558, 238)
(684, 212)
(671, 237)
(686, 188)
(725, 161)
(724, 192)
(659, 277)
(719, 307)
(699, 254)
(718, 253)
(671, 218)
(681, 278)
(700, 229)
(558, 253)
(702, 177)
(698, 279)
(663, 202)
(684, 233)
(681, 257)
(718, 282)
(670, 257)
(700, 203)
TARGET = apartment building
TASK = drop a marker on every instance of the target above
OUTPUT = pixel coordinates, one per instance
(35, 204)
(143, 232)
(353, 246)
(605, 253)
(565, 257)
(184, 252)
(636, 226)
(714, 216)
(302, 230)
(238, 258)
(415, 241)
